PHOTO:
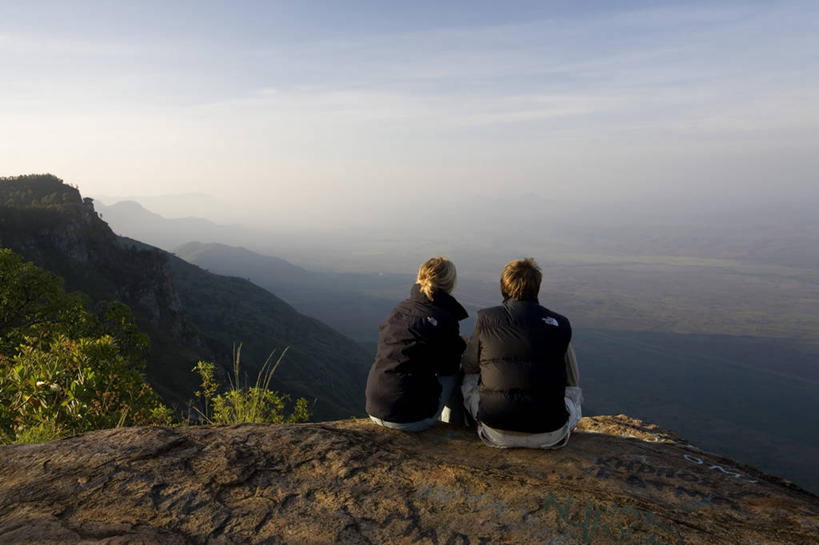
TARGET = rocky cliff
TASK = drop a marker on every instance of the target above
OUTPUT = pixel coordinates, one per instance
(351, 482)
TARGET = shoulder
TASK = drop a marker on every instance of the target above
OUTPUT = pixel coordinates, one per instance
(491, 315)
(412, 307)
(492, 312)
(408, 320)
(404, 313)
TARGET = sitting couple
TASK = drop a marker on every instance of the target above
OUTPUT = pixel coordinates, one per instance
(517, 373)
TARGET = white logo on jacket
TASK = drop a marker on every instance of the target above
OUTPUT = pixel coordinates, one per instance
(550, 321)
(432, 320)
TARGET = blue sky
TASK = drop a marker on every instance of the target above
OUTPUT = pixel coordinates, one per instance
(365, 104)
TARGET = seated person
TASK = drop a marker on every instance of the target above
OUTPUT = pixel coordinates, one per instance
(417, 366)
(521, 383)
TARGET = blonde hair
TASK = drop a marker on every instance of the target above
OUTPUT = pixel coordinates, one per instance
(521, 279)
(437, 273)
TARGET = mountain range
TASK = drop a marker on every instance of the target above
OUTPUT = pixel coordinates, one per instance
(190, 314)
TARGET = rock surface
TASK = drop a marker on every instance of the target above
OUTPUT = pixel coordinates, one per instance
(351, 482)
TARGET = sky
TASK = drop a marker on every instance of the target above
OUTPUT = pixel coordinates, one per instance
(337, 111)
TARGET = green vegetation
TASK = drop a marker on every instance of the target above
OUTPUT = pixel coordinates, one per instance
(37, 191)
(68, 386)
(321, 364)
(242, 404)
(63, 368)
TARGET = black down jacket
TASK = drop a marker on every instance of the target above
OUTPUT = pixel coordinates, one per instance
(519, 349)
(418, 341)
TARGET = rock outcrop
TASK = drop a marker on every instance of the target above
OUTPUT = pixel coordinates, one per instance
(351, 482)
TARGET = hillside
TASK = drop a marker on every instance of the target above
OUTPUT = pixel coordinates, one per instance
(329, 296)
(334, 298)
(322, 365)
(351, 482)
(189, 313)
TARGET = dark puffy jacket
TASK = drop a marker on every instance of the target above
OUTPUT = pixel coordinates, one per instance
(519, 349)
(418, 341)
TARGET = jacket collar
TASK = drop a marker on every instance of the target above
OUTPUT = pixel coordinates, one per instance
(441, 299)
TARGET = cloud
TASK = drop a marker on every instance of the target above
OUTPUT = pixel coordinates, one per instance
(595, 104)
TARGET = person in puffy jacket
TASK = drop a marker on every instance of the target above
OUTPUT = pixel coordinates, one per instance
(521, 382)
(417, 365)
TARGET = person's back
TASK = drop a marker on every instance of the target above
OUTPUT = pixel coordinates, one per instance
(417, 364)
(522, 366)
(518, 364)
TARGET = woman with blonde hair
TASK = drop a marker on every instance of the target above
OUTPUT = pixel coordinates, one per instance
(417, 364)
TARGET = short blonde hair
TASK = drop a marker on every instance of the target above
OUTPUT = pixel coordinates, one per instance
(521, 279)
(437, 273)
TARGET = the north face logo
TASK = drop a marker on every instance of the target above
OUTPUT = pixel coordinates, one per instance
(550, 321)
(432, 320)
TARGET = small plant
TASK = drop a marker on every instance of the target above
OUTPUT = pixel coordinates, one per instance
(247, 404)
(39, 433)
(162, 415)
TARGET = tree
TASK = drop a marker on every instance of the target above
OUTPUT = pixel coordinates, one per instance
(63, 368)
(32, 302)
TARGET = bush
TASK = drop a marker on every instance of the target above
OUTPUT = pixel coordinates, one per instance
(247, 404)
(64, 369)
(70, 386)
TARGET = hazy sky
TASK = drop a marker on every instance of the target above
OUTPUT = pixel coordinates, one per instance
(297, 108)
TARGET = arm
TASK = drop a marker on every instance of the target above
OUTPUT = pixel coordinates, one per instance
(471, 364)
(574, 394)
(471, 361)
(572, 375)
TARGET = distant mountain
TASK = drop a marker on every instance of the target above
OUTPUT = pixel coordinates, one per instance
(352, 303)
(130, 218)
(331, 297)
(189, 313)
(178, 205)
